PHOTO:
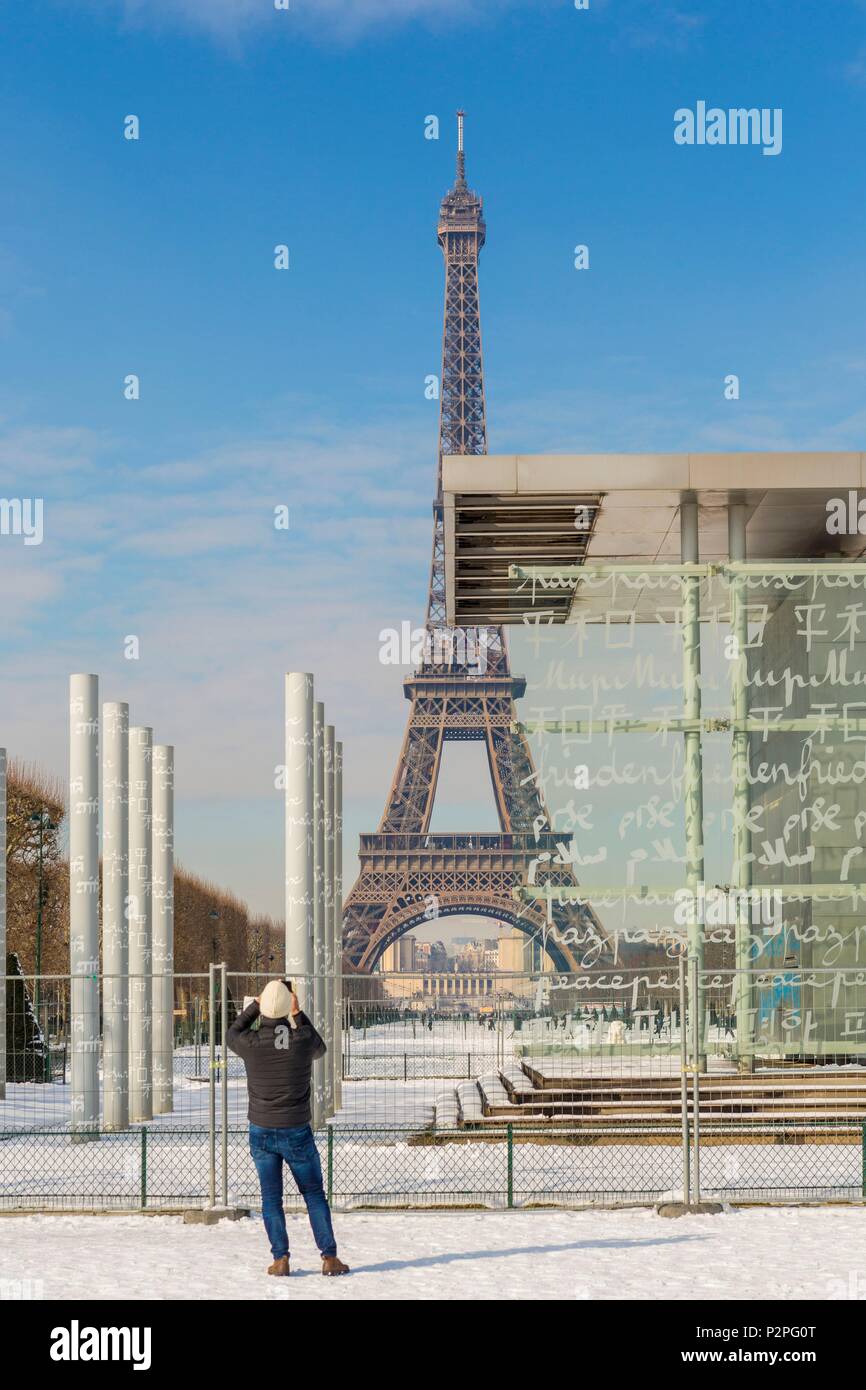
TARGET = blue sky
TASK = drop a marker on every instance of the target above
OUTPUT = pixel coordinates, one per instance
(307, 387)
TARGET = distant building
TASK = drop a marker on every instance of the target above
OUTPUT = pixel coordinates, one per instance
(519, 953)
(468, 957)
(438, 958)
(466, 981)
(401, 955)
(512, 951)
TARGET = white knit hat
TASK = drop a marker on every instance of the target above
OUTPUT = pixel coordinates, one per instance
(275, 1001)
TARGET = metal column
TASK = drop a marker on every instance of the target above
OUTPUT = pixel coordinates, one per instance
(140, 924)
(299, 833)
(693, 793)
(162, 901)
(327, 1012)
(2, 923)
(698, 1058)
(211, 1090)
(224, 1083)
(84, 899)
(742, 869)
(338, 925)
(318, 950)
(115, 926)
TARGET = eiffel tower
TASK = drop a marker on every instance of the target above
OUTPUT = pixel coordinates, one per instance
(462, 690)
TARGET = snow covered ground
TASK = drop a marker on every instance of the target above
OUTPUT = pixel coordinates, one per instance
(409, 1103)
(775, 1253)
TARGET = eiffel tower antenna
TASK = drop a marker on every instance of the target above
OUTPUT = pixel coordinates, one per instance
(462, 691)
(461, 234)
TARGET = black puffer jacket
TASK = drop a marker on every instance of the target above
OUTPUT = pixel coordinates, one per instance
(279, 1061)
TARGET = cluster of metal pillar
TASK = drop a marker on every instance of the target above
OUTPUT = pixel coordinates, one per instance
(137, 914)
(314, 877)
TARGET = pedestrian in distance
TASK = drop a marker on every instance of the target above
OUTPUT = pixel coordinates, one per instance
(279, 1057)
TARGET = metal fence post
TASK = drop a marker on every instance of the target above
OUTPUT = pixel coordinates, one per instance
(684, 1083)
(338, 926)
(697, 1006)
(143, 1178)
(330, 1163)
(510, 1150)
(224, 1089)
(863, 1151)
(212, 1084)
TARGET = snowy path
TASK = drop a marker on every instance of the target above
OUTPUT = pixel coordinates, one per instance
(755, 1254)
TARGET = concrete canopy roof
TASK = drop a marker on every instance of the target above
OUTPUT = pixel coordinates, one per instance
(503, 509)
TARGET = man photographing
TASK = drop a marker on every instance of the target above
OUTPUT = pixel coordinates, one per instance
(279, 1057)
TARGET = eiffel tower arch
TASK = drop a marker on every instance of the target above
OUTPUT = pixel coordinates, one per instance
(463, 690)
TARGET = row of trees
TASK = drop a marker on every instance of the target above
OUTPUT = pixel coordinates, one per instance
(210, 924)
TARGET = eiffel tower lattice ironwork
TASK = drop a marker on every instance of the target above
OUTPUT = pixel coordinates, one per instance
(463, 690)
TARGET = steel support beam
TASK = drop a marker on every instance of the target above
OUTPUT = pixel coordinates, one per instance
(741, 870)
(642, 891)
(693, 778)
(774, 568)
(768, 724)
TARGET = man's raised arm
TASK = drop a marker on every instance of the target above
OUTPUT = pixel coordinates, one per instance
(238, 1035)
(308, 1035)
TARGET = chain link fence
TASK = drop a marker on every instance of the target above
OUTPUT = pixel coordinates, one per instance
(607, 1087)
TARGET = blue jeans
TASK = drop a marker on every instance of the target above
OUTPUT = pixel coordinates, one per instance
(270, 1148)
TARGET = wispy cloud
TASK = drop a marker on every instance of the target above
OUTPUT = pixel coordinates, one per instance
(343, 20)
(854, 71)
(663, 25)
(37, 453)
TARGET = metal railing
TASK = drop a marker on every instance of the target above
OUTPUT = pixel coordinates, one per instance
(600, 1088)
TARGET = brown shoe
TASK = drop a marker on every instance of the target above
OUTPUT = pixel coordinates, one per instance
(331, 1265)
(280, 1266)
